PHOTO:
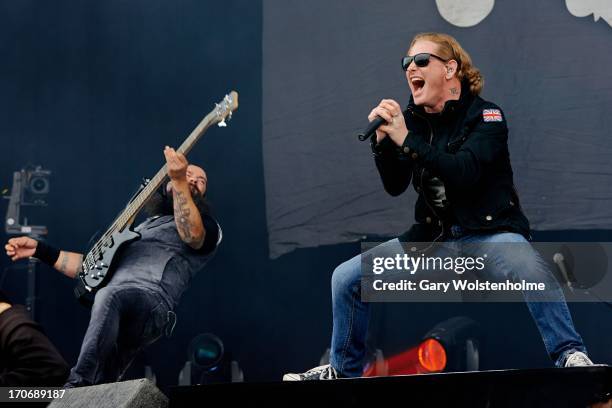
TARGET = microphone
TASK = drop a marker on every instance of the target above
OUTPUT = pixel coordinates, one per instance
(371, 129)
(559, 259)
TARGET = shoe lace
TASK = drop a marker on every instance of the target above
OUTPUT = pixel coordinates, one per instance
(324, 372)
(579, 359)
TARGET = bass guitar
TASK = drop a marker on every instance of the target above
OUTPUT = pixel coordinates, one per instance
(98, 262)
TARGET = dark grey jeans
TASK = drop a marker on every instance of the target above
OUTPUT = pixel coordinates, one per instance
(124, 319)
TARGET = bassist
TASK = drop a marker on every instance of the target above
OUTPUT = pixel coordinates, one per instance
(151, 274)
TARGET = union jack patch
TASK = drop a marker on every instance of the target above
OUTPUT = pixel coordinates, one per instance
(492, 115)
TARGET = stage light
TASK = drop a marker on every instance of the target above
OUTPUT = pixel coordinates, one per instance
(460, 337)
(208, 362)
(429, 356)
(451, 345)
(206, 351)
(432, 356)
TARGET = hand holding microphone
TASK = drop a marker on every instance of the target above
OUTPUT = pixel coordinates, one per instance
(387, 120)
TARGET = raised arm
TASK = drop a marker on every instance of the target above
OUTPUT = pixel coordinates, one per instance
(186, 215)
(395, 170)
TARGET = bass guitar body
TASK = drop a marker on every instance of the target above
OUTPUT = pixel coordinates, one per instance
(97, 265)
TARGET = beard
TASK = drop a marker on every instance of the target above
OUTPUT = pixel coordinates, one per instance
(162, 203)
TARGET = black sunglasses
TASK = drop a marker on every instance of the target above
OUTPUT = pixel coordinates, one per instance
(420, 60)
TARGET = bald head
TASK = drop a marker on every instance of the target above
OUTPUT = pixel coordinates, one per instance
(196, 177)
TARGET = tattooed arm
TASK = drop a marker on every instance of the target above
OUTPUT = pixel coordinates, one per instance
(69, 263)
(186, 215)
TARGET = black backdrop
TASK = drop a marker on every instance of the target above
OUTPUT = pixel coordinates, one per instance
(94, 90)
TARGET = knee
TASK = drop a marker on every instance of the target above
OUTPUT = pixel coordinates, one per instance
(104, 298)
(523, 262)
(535, 268)
(507, 238)
(344, 277)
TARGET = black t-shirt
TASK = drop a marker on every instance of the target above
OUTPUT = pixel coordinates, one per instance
(212, 234)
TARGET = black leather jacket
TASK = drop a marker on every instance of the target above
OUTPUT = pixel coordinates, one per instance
(469, 155)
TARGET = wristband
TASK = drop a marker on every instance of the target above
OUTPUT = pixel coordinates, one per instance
(46, 253)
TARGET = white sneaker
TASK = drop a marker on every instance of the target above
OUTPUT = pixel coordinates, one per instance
(324, 372)
(578, 359)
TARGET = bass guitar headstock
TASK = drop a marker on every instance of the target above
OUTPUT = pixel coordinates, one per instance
(224, 109)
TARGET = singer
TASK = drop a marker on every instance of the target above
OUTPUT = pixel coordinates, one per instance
(452, 145)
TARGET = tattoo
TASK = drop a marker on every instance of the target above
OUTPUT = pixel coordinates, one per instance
(454, 91)
(79, 267)
(181, 215)
(64, 262)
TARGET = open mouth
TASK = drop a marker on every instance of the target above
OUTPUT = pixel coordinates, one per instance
(417, 84)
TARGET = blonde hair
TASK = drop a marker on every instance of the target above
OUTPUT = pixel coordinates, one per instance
(448, 49)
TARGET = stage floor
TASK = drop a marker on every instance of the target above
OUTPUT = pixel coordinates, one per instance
(551, 387)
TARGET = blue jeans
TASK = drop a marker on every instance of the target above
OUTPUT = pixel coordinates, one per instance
(552, 316)
(124, 319)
